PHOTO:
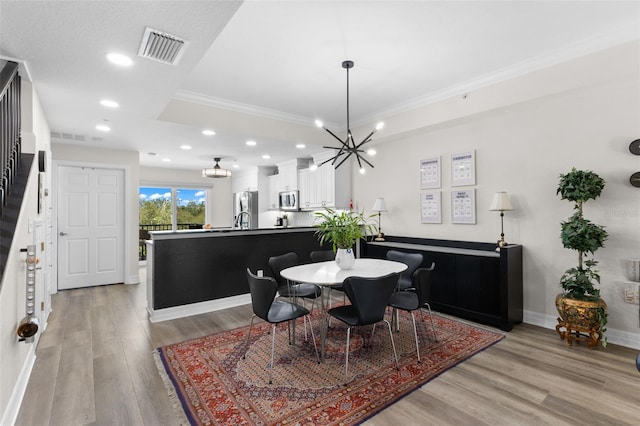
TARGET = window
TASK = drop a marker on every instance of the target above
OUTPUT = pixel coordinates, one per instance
(190, 208)
(167, 208)
(156, 209)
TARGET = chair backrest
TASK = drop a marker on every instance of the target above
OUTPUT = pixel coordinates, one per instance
(278, 263)
(370, 296)
(263, 292)
(412, 260)
(422, 283)
(322, 255)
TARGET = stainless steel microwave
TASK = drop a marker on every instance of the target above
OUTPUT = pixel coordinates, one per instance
(289, 200)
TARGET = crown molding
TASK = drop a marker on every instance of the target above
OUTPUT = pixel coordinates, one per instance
(229, 105)
(566, 53)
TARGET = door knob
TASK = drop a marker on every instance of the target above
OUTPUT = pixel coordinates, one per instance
(62, 234)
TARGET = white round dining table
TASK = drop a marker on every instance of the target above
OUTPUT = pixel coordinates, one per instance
(329, 273)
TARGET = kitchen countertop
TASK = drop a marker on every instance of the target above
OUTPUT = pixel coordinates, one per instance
(217, 232)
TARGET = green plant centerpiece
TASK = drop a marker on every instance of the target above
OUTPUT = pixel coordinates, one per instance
(583, 314)
(343, 229)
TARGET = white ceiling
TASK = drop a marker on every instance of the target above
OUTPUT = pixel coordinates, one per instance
(264, 70)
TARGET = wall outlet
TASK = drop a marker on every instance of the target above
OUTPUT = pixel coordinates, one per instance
(632, 293)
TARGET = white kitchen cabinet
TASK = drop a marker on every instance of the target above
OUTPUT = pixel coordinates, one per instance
(288, 171)
(274, 189)
(245, 182)
(326, 187)
(304, 188)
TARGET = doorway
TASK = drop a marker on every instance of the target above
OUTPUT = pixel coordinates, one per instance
(91, 243)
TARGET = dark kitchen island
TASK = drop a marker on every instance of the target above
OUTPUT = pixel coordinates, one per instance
(192, 272)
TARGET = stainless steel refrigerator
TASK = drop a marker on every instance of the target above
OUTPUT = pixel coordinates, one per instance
(245, 210)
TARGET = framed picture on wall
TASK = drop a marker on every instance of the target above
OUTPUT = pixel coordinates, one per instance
(463, 206)
(463, 169)
(431, 207)
(430, 173)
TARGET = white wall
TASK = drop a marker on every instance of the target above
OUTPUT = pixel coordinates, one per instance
(525, 133)
(219, 199)
(16, 358)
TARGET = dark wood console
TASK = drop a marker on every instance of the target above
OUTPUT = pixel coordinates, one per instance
(471, 280)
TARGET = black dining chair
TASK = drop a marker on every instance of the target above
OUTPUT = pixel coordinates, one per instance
(413, 262)
(369, 298)
(292, 290)
(265, 306)
(322, 256)
(287, 260)
(411, 301)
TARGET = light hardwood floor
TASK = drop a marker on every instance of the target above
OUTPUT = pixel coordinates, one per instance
(94, 367)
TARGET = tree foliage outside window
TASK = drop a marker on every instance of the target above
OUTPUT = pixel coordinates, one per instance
(190, 206)
(156, 207)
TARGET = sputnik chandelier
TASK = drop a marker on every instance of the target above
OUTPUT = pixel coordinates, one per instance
(348, 146)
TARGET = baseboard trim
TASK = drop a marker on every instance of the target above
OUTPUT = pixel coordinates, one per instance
(133, 279)
(166, 314)
(15, 401)
(615, 336)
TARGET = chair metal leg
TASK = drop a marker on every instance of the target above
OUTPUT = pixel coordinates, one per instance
(432, 325)
(248, 334)
(415, 334)
(393, 345)
(313, 337)
(373, 330)
(346, 358)
(273, 347)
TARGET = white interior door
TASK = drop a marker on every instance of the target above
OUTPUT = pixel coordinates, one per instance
(90, 226)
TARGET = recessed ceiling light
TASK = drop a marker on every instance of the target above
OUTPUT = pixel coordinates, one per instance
(251, 143)
(235, 166)
(208, 132)
(301, 146)
(266, 156)
(119, 59)
(166, 160)
(185, 147)
(109, 103)
(103, 128)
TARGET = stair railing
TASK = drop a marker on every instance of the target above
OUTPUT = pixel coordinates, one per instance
(10, 141)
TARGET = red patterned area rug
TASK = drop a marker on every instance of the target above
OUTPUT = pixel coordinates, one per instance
(211, 384)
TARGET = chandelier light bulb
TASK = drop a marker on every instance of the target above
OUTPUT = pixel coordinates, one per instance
(371, 152)
(380, 126)
(319, 123)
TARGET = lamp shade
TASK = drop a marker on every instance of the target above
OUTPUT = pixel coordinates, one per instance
(501, 202)
(379, 205)
(216, 171)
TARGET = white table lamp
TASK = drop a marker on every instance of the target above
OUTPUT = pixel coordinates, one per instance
(379, 206)
(501, 203)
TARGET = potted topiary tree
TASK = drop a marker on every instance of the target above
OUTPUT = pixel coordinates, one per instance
(583, 314)
(342, 229)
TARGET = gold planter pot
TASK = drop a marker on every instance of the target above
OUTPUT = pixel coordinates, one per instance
(579, 320)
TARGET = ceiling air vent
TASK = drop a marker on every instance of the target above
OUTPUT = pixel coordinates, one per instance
(161, 47)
